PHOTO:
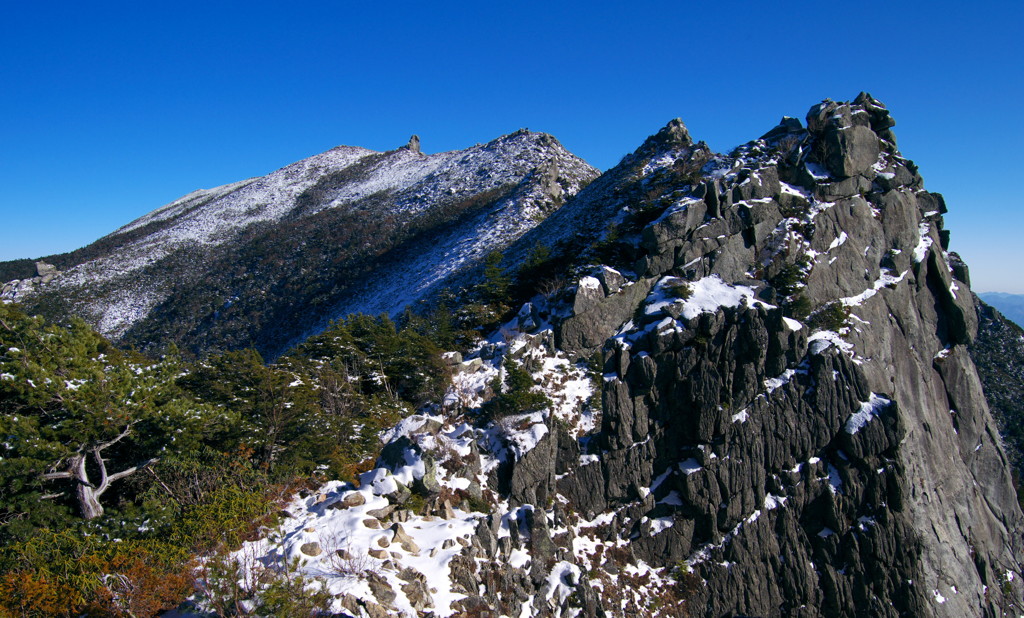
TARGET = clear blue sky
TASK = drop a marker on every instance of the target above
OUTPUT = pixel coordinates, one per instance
(109, 110)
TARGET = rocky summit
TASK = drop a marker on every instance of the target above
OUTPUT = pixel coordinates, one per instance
(756, 396)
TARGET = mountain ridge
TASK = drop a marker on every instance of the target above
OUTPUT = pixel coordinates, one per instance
(383, 199)
(1010, 305)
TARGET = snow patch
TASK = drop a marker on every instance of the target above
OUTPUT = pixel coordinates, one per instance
(867, 412)
(707, 295)
(885, 279)
(838, 242)
(921, 250)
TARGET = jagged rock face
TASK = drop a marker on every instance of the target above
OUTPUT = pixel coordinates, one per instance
(264, 261)
(844, 463)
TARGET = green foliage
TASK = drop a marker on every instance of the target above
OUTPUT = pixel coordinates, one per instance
(614, 247)
(239, 586)
(789, 283)
(402, 364)
(74, 409)
(232, 434)
(798, 307)
(791, 278)
(65, 573)
(832, 317)
(514, 394)
(224, 519)
(679, 289)
(496, 283)
(275, 408)
(543, 272)
(17, 269)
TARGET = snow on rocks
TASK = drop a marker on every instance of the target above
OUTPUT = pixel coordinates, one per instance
(867, 412)
(885, 279)
(838, 242)
(822, 340)
(343, 546)
(391, 540)
(924, 243)
(690, 299)
(771, 384)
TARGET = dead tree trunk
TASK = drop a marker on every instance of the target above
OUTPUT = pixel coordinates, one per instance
(87, 493)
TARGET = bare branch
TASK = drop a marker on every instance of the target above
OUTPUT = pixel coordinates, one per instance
(164, 485)
(121, 436)
(49, 476)
(124, 473)
(103, 471)
(51, 496)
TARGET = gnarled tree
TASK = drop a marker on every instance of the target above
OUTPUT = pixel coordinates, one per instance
(76, 411)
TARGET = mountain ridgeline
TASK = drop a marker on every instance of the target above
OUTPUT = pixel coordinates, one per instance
(265, 261)
(744, 388)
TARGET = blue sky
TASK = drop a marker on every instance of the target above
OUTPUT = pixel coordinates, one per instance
(109, 110)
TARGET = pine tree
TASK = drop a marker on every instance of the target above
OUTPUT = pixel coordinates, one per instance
(72, 405)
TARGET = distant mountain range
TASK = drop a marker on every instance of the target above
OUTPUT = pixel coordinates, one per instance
(1010, 305)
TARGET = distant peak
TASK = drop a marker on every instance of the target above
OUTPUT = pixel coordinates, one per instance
(523, 137)
(674, 134)
(414, 144)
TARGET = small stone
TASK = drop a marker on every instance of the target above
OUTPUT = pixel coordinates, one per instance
(418, 595)
(381, 513)
(403, 539)
(371, 523)
(353, 499)
(446, 510)
(311, 549)
(410, 574)
(381, 588)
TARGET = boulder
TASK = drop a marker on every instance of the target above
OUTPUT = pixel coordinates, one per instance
(849, 151)
(404, 540)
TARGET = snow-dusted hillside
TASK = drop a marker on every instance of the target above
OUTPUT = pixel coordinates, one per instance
(325, 221)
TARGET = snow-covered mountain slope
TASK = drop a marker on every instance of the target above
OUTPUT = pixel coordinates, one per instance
(261, 261)
(788, 420)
